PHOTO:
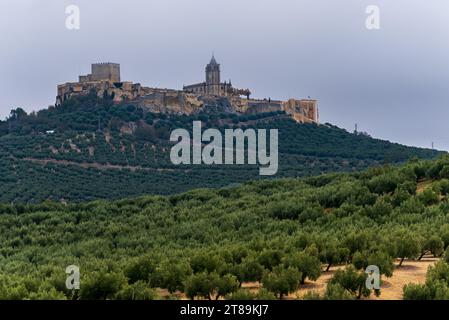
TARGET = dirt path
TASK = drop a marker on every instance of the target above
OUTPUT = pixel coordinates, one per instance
(422, 185)
(96, 165)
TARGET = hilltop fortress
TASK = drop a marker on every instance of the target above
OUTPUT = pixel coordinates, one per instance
(212, 95)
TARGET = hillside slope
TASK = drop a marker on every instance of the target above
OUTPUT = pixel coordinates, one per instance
(263, 231)
(99, 150)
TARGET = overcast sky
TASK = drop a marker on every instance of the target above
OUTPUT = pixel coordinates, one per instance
(393, 82)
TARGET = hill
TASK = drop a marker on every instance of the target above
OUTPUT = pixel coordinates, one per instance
(89, 148)
(206, 243)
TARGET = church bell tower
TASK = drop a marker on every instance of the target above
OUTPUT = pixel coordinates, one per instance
(213, 77)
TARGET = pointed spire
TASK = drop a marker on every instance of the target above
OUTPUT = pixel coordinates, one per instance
(213, 61)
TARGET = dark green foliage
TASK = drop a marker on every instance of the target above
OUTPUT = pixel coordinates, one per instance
(206, 242)
(206, 285)
(249, 270)
(226, 285)
(352, 281)
(414, 291)
(446, 256)
(434, 245)
(103, 151)
(435, 288)
(170, 274)
(101, 285)
(332, 254)
(201, 285)
(443, 187)
(140, 270)
(282, 281)
(136, 291)
(308, 265)
(381, 259)
(428, 197)
(334, 291)
(270, 258)
(383, 184)
(407, 246)
(205, 262)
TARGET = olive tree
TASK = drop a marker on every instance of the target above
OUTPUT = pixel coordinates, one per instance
(282, 281)
(309, 266)
(352, 280)
(406, 247)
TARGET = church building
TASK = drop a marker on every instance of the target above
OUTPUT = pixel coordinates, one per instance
(213, 84)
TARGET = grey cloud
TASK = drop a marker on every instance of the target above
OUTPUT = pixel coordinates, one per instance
(393, 82)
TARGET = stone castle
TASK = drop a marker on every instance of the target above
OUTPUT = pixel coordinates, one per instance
(212, 95)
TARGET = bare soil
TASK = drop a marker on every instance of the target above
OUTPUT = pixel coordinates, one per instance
(411, 271)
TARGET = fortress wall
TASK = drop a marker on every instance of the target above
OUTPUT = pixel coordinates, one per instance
(304, 110)
(263, 106)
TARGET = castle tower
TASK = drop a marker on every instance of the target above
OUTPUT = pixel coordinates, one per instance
(105, 71)
(213, 77)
